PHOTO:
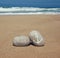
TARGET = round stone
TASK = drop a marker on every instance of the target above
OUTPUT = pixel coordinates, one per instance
(36, 38)
(21, 41)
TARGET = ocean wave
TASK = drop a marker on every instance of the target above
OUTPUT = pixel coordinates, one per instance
(28, 10)
(47, 13)
(21, 9)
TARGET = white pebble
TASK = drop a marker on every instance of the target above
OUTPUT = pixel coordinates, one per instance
(21, 41)
(36, 38)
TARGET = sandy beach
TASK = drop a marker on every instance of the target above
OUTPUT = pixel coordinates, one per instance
(47, 25)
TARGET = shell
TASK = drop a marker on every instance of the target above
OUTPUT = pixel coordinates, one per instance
(21, 41)
(36, 38)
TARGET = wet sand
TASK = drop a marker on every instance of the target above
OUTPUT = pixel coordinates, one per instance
(47, 25)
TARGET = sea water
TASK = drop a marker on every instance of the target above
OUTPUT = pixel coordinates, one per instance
(29, 7)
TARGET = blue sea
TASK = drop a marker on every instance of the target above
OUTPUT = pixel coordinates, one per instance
(29, 7)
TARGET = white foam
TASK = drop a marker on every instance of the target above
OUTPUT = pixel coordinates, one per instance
(48, 13)
(21, 9)
(28, 11)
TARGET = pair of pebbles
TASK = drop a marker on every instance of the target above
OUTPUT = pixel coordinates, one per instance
(34, 37)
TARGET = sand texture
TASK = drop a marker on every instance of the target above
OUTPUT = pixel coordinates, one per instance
(47, 25)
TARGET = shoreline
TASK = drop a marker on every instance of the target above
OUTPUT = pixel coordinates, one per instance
(27, 14)
(34, 15)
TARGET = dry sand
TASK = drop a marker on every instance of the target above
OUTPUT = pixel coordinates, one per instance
(47, 25)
